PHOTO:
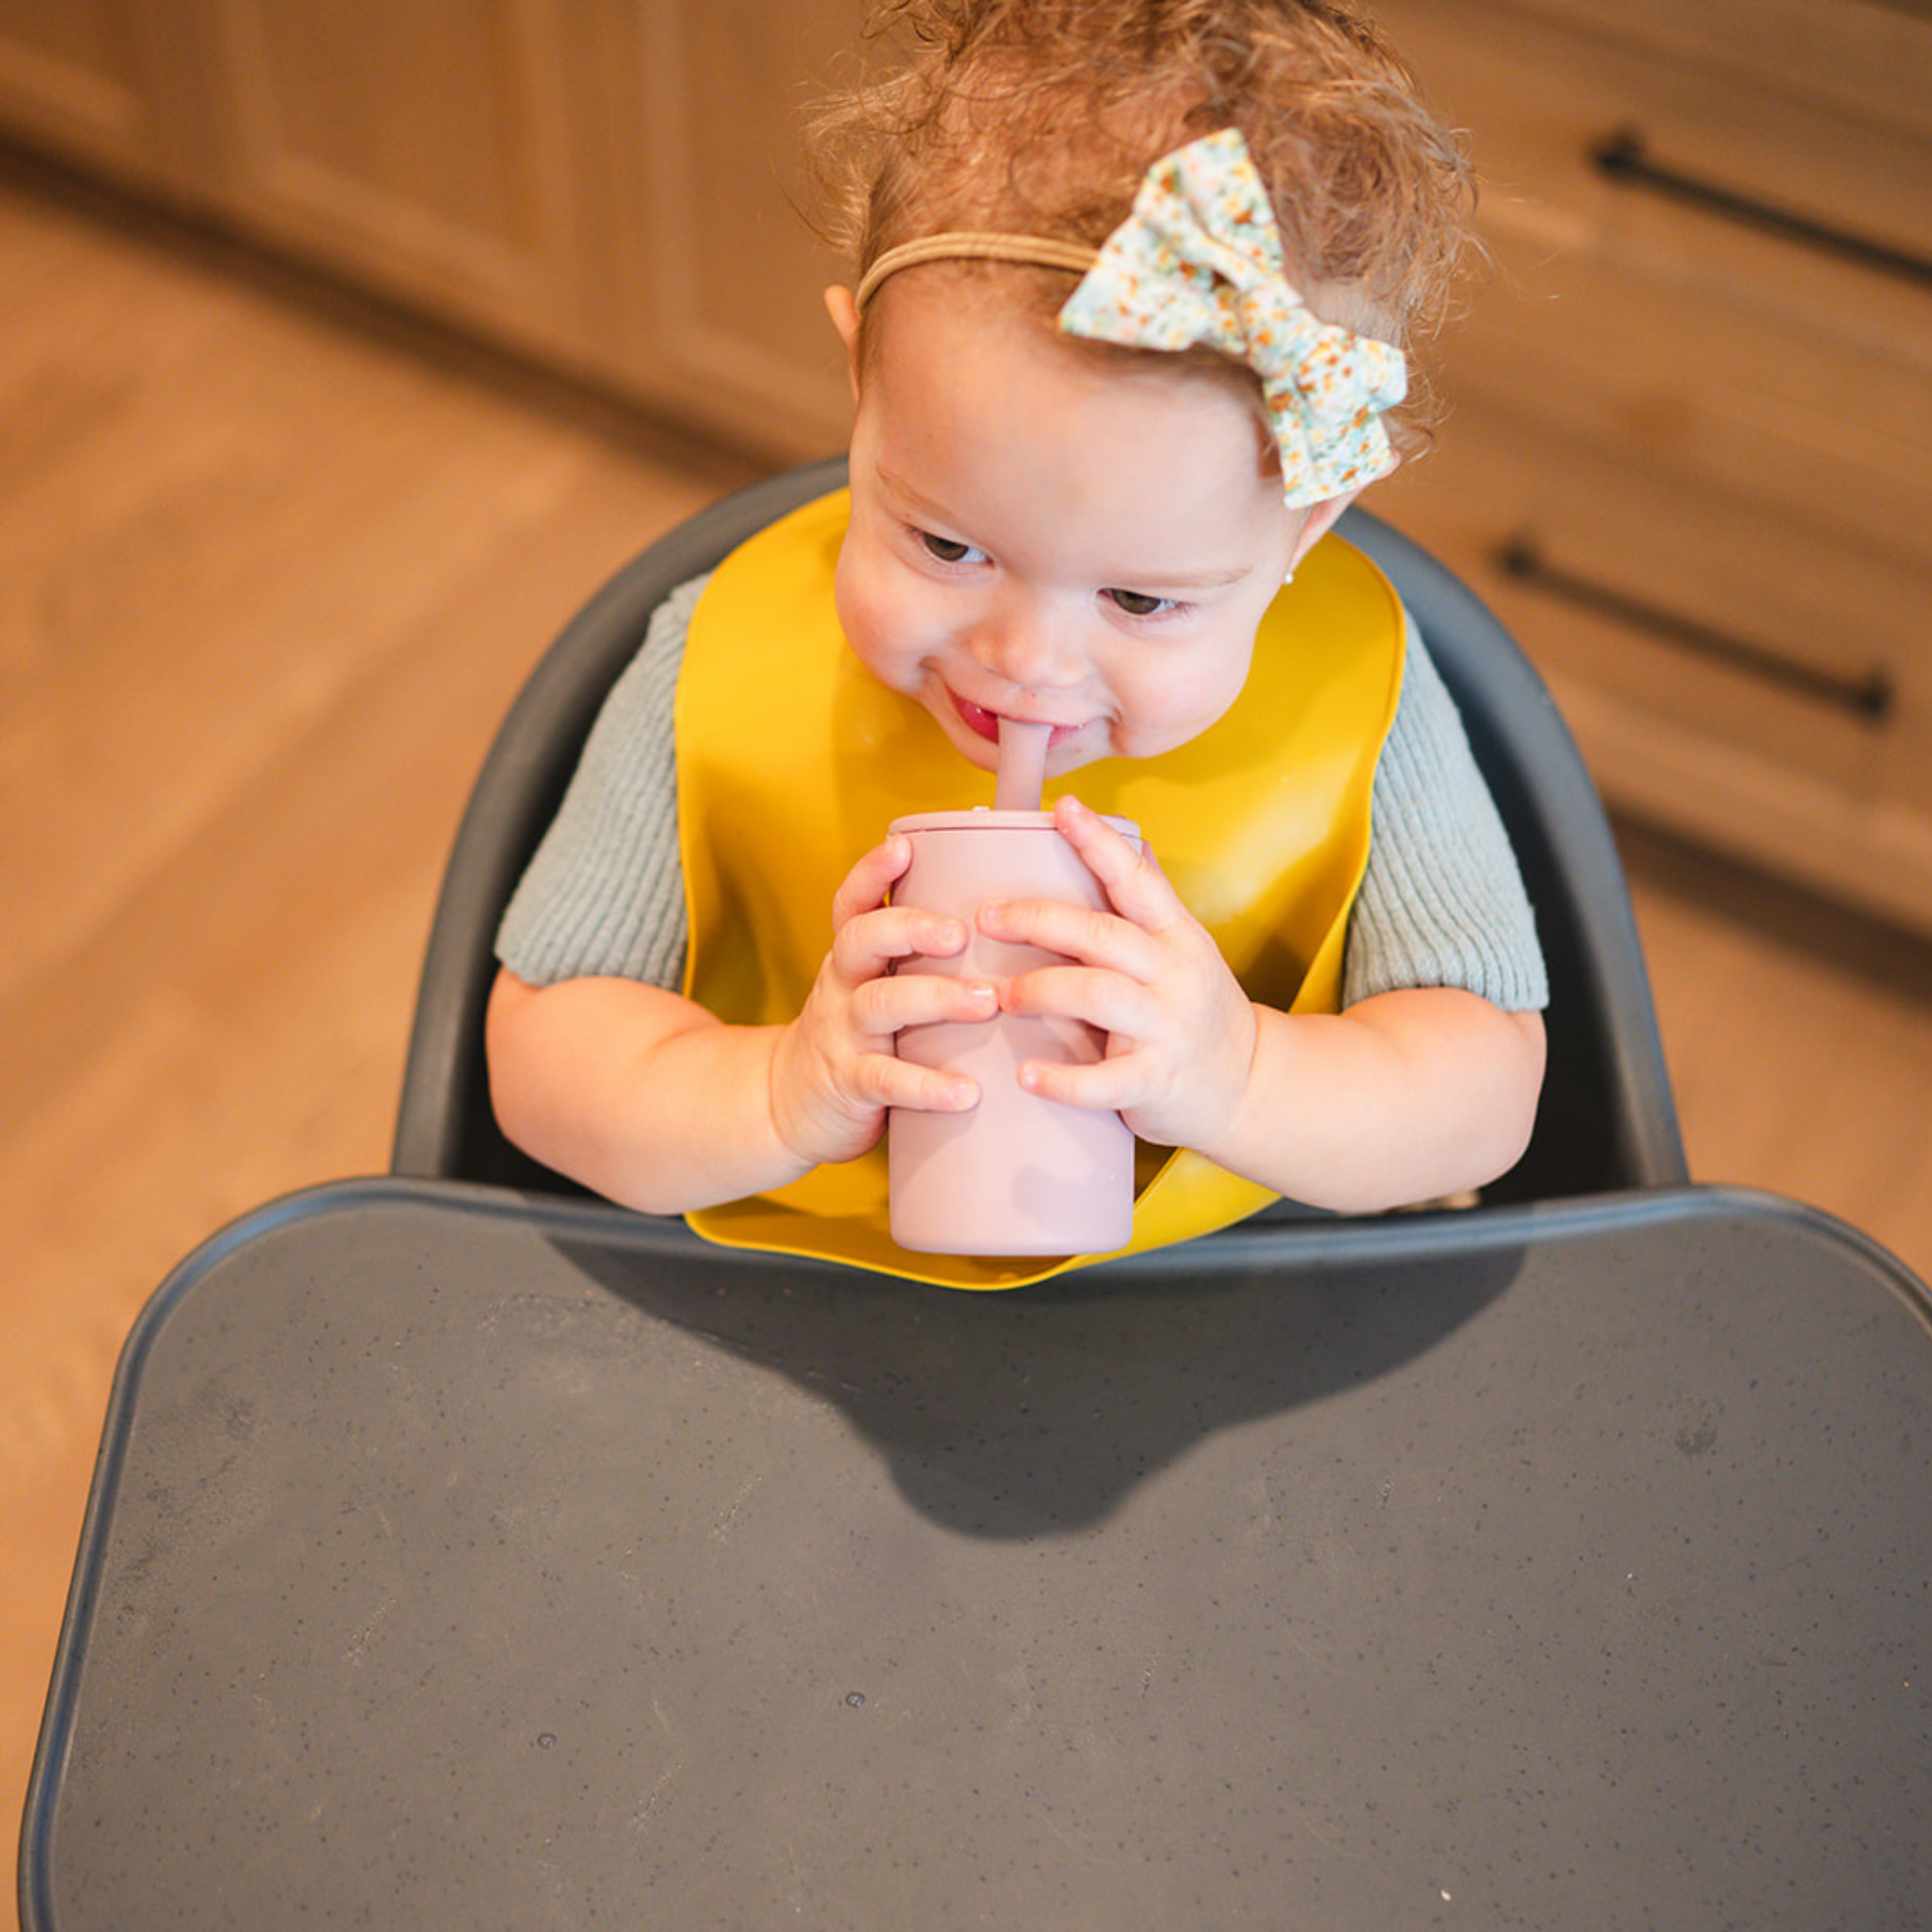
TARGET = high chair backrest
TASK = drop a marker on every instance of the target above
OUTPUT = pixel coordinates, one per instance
(1607, 1121)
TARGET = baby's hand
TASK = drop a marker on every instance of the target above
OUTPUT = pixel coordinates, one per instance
(1180, 1031)
(834, 1073)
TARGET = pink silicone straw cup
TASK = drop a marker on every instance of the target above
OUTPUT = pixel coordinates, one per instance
(1018, 1174)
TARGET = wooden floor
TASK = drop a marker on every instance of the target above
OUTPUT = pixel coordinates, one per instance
(269, 574)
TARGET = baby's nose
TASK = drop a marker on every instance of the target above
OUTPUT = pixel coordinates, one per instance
(1032, 647)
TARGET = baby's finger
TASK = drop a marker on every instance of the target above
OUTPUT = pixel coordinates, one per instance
(1119, 1006)
(1097, 938)
(1114, 1085)
(899, 1000)
(864, 947)
(863, 889)
(889, 1082)
(1129, 874)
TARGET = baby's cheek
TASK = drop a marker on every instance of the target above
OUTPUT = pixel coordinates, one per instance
(864, 611)
(1163, 711)
(874, 635)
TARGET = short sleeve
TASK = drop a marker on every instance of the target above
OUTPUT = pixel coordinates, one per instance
(1442, 902)
(604, 895)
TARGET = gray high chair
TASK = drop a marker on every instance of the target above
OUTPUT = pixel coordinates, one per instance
(1607, 1123)
(464, 1558)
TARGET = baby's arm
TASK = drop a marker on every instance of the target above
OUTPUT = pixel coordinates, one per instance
(1405, 1097)
(645, 1096)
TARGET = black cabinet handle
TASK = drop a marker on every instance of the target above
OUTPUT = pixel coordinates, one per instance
(1870, 698)
(1624, 156)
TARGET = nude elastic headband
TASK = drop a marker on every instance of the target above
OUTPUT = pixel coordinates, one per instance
(966, 245)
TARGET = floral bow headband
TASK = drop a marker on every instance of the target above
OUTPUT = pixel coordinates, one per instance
(1199, 263)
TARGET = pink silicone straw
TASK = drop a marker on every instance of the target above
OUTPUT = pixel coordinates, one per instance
(1022, 765)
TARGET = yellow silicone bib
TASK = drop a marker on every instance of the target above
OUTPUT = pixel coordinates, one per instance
(793, 760)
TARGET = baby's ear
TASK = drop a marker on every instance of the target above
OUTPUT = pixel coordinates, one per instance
(844, 312)
(1321, 519)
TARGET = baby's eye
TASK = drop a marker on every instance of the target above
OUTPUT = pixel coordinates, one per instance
(1138, 604)
(948, 550)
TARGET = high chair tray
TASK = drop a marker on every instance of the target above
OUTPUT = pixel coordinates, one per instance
(459, 1560)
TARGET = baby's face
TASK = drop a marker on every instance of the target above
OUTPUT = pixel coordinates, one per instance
(1036, 534)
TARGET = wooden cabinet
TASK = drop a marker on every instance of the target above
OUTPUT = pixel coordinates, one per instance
(95, 80)
(426, 147)
(715, 277)
(608, 184)
(1689, 455)
(430, 147)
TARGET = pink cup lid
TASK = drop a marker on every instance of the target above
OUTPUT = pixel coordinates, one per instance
(987, 818)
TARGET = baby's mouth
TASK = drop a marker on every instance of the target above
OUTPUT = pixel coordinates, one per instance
(986, 723)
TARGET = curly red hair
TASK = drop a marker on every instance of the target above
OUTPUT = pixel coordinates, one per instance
(1041, 116)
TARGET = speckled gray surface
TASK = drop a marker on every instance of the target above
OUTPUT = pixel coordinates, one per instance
(453, 1564)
